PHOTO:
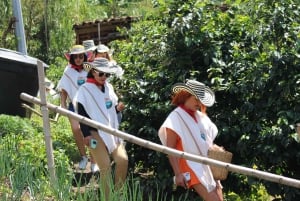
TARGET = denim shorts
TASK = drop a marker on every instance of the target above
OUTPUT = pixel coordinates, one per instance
(71, 107)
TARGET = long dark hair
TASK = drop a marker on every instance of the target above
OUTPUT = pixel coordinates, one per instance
(90, 74)
(72, 59)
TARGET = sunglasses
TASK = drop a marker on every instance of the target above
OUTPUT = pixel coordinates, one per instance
(80, 56)
(102, 73)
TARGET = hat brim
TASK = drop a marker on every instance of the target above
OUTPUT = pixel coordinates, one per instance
(88, 66)
(68, 55)
(102, 51)
(111, 70)
(77, 52)
(206, 97)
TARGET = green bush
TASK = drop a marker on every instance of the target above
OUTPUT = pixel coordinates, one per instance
(15, 125)
(248, 52)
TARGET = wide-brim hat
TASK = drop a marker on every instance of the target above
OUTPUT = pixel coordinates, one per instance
(102, 65)
(89, 45)
(76, 49)
(197, 89)
(102, 48)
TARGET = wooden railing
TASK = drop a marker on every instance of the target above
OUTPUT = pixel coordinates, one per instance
(166, 150)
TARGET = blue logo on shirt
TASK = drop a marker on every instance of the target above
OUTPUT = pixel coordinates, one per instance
(80, 82)
(203, 136)
(108, 104)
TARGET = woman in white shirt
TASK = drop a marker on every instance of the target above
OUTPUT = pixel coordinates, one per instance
(73, 77)
(189, 129)
(97, 100)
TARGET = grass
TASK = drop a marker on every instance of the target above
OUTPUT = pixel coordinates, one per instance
(24, 173)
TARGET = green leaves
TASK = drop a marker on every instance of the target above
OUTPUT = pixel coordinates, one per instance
(246, 51)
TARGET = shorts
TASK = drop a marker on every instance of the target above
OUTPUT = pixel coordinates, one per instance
(71, 107)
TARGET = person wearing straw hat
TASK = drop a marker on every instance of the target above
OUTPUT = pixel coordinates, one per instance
(97, 100)
(90, 47)
(190, 130)
(102, 51)
(72, 78)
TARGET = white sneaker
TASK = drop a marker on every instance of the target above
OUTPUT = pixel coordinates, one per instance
(94, 168)
(83, 163)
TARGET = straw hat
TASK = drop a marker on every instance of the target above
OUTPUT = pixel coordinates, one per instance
(76, 49)
(102, 48)
(102, 65)
(89, 45)
(197, 89)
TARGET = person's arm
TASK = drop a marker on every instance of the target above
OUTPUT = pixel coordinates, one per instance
(63, 98)
(171, 141)
(120, 107)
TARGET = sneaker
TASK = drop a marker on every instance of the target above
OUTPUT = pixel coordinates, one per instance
(83, 163)
(94, 168)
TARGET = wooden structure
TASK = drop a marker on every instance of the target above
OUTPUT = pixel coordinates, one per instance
(102, 31)
(18, 73)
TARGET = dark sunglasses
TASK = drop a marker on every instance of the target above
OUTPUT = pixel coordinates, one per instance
(102, 73)
(80, 56)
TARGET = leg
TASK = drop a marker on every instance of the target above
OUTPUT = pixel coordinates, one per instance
(78, 136)
(219, 190)
(121, 159)
(101, 156)
(208, 196)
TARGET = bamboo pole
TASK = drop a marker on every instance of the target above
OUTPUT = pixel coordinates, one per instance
(46, 122)
(166, 150)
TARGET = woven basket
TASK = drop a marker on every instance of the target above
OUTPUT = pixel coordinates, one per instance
(219, 173)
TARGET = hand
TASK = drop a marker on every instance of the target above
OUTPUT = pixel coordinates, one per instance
(120, 106)
(217, 147)
(180, 181)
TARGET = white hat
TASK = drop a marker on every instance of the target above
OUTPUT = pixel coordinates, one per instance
(197, 89)
(102, 48)
(76, 49)
(102, 65)
(89, 45)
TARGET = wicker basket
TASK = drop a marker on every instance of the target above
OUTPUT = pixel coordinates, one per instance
(219, 173)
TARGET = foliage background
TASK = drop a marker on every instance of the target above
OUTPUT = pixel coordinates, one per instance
(247, 51)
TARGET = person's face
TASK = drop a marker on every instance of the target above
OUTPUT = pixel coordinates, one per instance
(78, 58)
(100, 77)
(192, 103)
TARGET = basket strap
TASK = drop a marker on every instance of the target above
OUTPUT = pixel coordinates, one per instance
(190, 132)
